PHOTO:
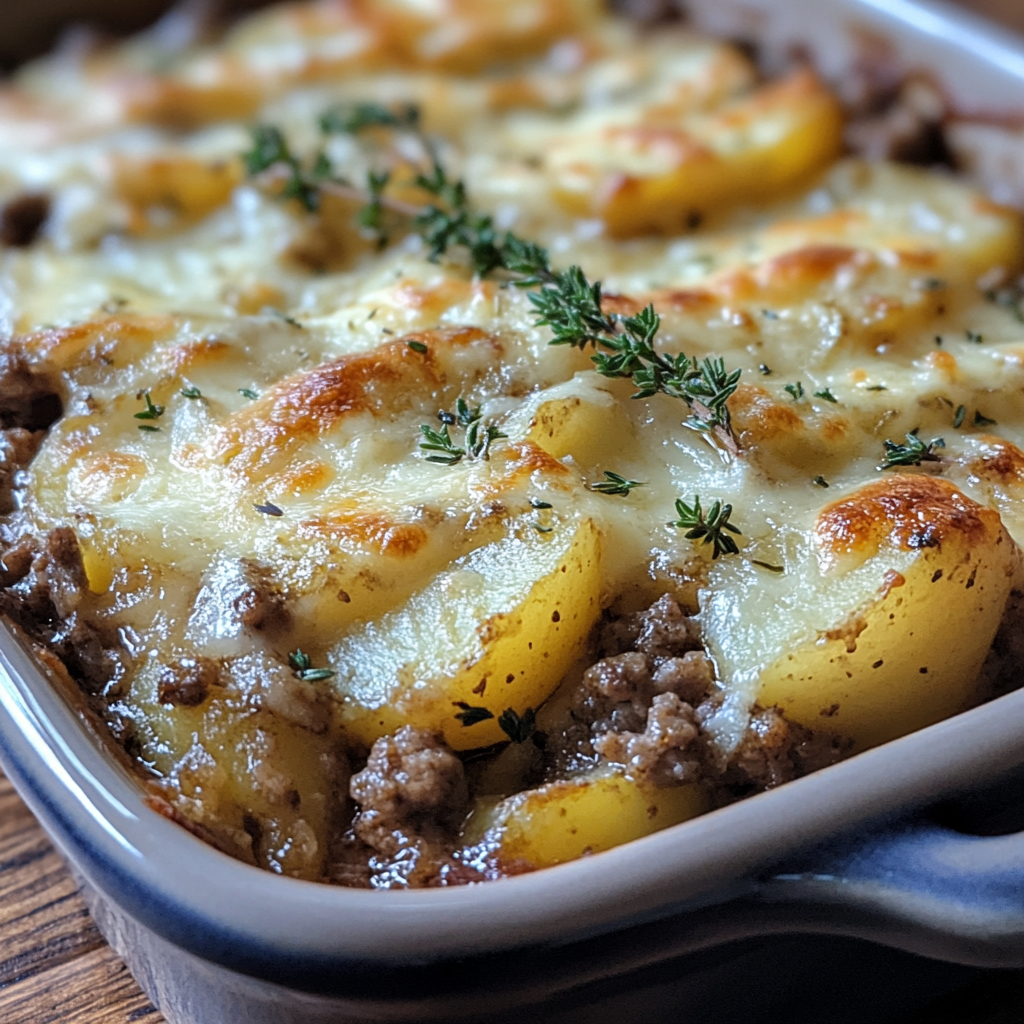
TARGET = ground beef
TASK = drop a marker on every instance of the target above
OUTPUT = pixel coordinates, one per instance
(22, 218)
(637, 707)
(187, 683)
(17, 447)
(28, 398)
(909, 128)
(413, 788)
(644, 708)
(667, 752)
(51, 577)
(43, 585)
(260, 605)
(774, 751)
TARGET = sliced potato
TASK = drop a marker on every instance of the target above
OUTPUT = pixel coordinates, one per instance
(497, 630)
(253, 770)
(642, 178)
(566, 820)
(888, 633)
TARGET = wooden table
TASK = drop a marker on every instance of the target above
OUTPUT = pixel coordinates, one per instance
(55, 967)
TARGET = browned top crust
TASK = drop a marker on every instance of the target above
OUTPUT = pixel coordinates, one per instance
(908, 512)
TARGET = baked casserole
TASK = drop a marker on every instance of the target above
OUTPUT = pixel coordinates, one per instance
(443, 440)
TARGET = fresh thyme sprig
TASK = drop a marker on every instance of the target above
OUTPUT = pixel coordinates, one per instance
(565, 301)
(303, 668)
(614, 484)
(913, 453)
(478, 436)
(709, 525)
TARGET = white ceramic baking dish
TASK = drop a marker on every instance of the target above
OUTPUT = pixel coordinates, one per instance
(847, 851)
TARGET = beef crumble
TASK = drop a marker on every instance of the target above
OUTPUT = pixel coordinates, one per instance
(644, 709)
(43, 583)
(29, 398)
(187, 683)
(17, 448)
(412, 797)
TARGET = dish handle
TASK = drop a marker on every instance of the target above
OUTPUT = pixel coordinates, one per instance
(917, 885)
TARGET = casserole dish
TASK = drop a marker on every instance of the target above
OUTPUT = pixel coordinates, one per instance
(330, 955)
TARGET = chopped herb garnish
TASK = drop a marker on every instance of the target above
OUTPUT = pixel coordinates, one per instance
(974, 337)
(440, 441)
(820, 481)
(284, 316)
(768, 565)
(913, 453)
(269, 509)
(710, 526)
(765, 369)
(303, 669)
(351, 119)
(417, 346)
(958, 418)
(615, 484)
(933, 284)
(796, 391)
(191, 392)
(981, 420)
(826, 394)
(151, 412)
(470, 715)
(518, 728)
(938, 340)
(478, 441)
(543, 529)
(537, 503)
(270, 149)
(876, 387)
(248, 393)
(149, 429)
(769, 314)
(565, 301)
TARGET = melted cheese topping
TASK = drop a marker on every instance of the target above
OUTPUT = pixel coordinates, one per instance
(655, 162)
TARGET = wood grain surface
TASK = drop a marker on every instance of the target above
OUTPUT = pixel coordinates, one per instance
(55, 968)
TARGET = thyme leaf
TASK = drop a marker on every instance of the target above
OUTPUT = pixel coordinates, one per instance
(478, 436)
(913, 453)
(709, 526)
(151, 412)
(613, 484)
(302, 667)
(518, 728)
(469, 715)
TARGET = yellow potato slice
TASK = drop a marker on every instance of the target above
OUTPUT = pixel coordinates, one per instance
(497, 630)
(242, 772)
(650, 178)
(566, 820)
(889, 634)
